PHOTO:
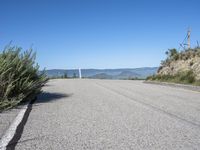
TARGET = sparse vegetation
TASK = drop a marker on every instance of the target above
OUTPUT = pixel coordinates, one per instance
(168, 71)
(19, 76)
(186, 77)
(65, 76)
(74, 75)
(174, 55)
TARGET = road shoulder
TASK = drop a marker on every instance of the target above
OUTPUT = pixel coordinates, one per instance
(6, 119)
(182, 86)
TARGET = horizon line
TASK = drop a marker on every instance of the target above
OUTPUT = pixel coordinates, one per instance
(98, 68)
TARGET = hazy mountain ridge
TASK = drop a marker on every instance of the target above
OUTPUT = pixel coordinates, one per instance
(124, 73)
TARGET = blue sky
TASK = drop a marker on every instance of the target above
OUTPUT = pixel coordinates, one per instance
(98, 33)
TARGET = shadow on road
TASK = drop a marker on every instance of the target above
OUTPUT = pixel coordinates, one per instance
(45, 97)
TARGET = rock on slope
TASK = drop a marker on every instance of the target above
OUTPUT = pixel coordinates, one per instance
(180, 62)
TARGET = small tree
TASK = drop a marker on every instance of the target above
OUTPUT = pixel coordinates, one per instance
(74, 75)
(172, 54)
(65, 75)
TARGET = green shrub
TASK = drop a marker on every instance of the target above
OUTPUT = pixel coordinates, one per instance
(19, 76)
(185, 77)
(174, 55)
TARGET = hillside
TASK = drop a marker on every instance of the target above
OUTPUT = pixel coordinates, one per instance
(180, 67)
(105, 73)
(101, 76)
(128, 75)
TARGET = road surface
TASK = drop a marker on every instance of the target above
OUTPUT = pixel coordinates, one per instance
(112, 114)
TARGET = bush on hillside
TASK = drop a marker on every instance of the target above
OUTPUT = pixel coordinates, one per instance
(19, 76)
(174, 55)
(186, 77)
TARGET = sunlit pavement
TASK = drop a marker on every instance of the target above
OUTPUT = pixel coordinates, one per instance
(112, 114)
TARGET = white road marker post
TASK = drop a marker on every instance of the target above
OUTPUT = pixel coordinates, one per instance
(80, 76)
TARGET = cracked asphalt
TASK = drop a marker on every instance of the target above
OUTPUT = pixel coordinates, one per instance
(112, 114)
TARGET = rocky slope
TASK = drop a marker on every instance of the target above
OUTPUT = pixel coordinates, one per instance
(176, 62)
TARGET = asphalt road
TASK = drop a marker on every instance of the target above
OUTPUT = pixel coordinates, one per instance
(111, 114)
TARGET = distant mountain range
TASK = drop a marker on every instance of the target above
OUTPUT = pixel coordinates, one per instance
(126, 73)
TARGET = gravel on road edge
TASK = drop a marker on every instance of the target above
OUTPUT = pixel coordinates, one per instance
(183, 86)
